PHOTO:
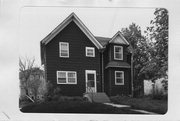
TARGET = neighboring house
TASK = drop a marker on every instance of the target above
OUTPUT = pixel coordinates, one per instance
(156, 87)
(35, 84)
(79, 62)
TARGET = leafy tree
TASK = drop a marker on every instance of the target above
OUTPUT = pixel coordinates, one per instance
(140, 50)
(150, 52)
(158, 33)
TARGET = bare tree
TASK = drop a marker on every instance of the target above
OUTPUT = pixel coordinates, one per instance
(34, 83)
(25, 67)
(31, 78)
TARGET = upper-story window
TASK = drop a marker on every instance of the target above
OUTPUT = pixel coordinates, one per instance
(90, 52)
(64, 49)
(118, 52)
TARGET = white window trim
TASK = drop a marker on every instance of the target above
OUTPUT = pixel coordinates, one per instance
(67, 77)
(116, 83)
(92, 48)
(60, 49)
(121, 53)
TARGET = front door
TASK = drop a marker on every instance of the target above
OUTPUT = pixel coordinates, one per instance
(90, 80)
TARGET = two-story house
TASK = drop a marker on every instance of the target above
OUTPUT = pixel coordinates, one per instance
(79, 62)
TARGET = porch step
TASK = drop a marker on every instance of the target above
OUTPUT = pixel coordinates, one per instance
(99, 97)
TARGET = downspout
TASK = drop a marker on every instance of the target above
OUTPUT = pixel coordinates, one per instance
(132, 75)
(103, 71)
(102, 67)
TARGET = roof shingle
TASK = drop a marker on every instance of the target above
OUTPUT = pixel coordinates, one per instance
(103, 40)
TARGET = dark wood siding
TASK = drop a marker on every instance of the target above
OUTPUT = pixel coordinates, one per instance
(77, 60)
(109, 54)
(120, 89)
(106, 82)
(110, 87)
(125, 53)
(106, 59)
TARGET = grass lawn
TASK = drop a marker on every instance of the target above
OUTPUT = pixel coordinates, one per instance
(75, 107)
(146, 103)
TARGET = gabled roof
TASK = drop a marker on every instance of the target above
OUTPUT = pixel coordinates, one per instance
(119, 39)
(79, 23)
(103, 40)
(99, 42)
(117, 64)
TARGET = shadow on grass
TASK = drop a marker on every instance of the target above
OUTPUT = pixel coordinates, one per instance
(144, 103)
(75, 107)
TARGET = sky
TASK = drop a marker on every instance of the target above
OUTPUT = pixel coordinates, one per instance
(24, 23)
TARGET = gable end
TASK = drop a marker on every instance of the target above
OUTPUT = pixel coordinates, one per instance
(119, 39)
(79, 23)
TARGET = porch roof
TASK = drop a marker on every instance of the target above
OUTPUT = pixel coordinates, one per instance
(118, 64)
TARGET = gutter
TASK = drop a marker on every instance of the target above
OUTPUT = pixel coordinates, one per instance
(102, 71)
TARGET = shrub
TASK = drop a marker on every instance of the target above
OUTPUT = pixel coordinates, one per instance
(66, 98)
(158, 95)
(53, 93)
(24, 99)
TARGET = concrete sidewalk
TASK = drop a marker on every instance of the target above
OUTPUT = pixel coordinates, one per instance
(118, 105)
(145, 112)
(127, 106)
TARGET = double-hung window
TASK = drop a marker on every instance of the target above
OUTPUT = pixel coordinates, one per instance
(90, 52)
(119, 77)
(66, 77)
(64, 49)
(118, 52)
